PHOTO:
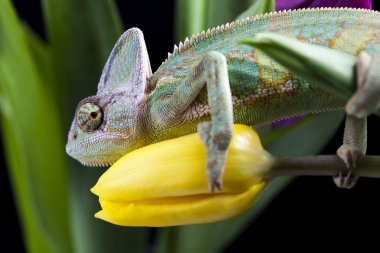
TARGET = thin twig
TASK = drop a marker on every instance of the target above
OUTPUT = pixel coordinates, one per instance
(324, 165)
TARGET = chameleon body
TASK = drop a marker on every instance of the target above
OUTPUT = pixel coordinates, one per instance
(206, 78)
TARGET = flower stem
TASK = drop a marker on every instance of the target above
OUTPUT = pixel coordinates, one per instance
(324, 165)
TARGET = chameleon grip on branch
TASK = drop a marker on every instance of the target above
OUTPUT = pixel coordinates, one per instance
(210, 81)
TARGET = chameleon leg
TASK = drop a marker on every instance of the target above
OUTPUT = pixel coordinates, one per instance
(216, 135)
(367, 98)
(363, 102)
(354, 146)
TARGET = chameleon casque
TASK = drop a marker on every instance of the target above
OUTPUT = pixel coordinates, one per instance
(210, 82)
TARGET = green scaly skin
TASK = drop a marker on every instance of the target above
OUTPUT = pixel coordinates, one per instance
(136, 108)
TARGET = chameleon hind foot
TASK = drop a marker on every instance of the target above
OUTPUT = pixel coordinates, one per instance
(216, 154)
(354, 146)
(345, 181)
(349, 154)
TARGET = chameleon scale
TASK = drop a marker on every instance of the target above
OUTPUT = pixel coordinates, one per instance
(262, 90)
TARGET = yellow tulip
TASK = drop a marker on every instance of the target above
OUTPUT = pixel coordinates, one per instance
(164, 184)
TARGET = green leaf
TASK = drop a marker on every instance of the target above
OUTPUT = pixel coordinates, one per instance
(328, 68)
(82, 35)
(41, 55)
(95, 235)
(32, 136)
(191, 18)
(223, 11)
(195, 16)
(258, 7)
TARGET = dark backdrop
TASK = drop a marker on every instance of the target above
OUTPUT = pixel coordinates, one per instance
(309, 214)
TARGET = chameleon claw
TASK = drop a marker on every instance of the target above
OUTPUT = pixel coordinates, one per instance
(349, 154)
(345, 180)
(216, 158)
(354, 146)
(212, 184)
(215, 168)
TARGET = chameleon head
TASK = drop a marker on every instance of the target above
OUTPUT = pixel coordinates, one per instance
(104, 128)
(108, 125)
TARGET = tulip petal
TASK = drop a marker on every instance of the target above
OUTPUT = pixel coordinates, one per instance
(177, 167)
(165, 184)
(179, 210)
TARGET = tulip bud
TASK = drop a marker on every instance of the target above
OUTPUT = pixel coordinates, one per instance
(164, 184)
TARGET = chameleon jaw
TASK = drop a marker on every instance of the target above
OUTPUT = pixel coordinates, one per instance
(85, 151)
(95, 163)
(90, 161)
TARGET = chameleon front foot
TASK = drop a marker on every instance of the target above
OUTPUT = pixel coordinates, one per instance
(216, 154)
(216, 135)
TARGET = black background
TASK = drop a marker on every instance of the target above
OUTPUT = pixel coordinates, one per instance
(310, 214)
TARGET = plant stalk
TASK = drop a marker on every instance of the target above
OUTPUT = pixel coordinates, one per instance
(324, 165)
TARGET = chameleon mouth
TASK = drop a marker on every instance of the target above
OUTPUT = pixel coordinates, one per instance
(95, 164)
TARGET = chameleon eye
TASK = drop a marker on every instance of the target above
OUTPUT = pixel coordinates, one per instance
(89, 117)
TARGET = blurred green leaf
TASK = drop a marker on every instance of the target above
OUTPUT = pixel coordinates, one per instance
(258, 7)
(194, 16)
(81, 35)
(223, 11)
(32, 133)
(328, 68)
(41, 56)
(94, 235)
(194, 10)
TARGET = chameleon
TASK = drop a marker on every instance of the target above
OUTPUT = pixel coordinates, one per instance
(210, 82)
